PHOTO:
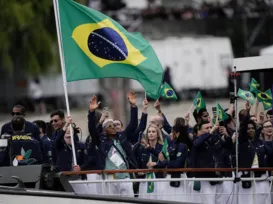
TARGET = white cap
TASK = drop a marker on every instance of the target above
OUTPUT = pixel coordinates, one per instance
(106, 122)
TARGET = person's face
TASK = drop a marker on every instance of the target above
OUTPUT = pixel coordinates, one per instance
(152, 133)
(56, 122)
(156, 120)
(205, 116)
(254, 119)
(110, 129)
(118, 126)
(251, 131)
(269, 117)
(205, 129)
(17, 112)
(67, 137)
(267, 129)
(175, 135)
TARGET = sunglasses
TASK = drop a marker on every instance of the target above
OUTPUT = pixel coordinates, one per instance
(68, 138)
(55, 121)
(16, 113)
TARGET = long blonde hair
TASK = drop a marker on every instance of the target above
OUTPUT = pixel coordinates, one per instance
(159, 134)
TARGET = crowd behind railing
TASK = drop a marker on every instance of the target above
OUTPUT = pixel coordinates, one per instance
(156, 145)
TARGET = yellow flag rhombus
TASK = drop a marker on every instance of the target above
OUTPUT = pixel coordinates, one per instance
(82, 32)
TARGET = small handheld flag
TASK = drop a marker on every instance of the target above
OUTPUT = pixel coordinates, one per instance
(150, 175)
(221, 114)
(264, 96)
(165, 149)
(199, 102)
(267, 105)
(246, 95)
(168, 92)
(254, 86)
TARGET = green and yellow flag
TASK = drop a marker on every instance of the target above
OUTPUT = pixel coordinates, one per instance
(95, 46)
(168, 92)
(150, 175)
(264, 96)
(221, 114)
(254, 86)
(246, 95)
(165, 149)
(267, 105)
(165, 91)
(199, 102)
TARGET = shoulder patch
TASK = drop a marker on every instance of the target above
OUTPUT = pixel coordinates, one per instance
(179, 154)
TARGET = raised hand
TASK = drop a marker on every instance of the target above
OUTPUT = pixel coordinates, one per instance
(145, 105)
(93, 104)
(157, 106)
(187, 119)
(248, 107)
(132, 98)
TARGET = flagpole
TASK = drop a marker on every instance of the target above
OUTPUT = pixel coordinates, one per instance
(57, 20)
(237, 179)
(190, 108)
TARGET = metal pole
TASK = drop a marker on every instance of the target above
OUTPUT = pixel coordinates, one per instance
(57, 19)
(236, 133)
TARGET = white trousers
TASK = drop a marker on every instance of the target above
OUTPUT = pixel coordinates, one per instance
(179, 194)
(121, 188)
(258, 193)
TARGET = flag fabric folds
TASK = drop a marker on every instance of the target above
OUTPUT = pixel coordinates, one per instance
(221, 114)
(150, 175)
(246, 95)
(254, 86)
(165, 149)
(264, 96)
(199, 102)
(165, 91)
(267, 105)
(95, 46)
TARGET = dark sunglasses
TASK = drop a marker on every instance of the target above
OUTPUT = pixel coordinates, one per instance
(16, 113)
(55, 121)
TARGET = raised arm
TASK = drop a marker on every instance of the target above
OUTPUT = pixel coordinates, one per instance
(92, 120)
(166, 125)
(132, 126)
(243, 125)
(142, 124)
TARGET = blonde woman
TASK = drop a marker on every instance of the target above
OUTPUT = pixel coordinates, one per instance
(147, 156)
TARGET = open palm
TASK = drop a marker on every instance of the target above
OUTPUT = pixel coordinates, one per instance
(93, 103)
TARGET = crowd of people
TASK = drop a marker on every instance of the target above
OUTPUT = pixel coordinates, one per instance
(153, 144)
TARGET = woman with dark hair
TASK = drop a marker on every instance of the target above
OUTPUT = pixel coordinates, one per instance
(253, 153)
(178, 151)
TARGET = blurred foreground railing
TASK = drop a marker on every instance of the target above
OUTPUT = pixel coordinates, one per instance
(232, 190)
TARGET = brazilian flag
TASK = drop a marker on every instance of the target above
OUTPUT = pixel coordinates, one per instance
(267, 105)
(151, 184)
(165, 149)
(168, 92)
(254, 86)
(221, 114)
(165, 91)
(150, 175)
(95, 46)
(199, 102)
(246, 95)
(264, 96)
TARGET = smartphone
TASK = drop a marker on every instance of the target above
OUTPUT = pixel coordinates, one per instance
(221, 123)
(232, 97)
(105, 110)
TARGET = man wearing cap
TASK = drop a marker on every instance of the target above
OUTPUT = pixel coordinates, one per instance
(29, 128)
(114, 147)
